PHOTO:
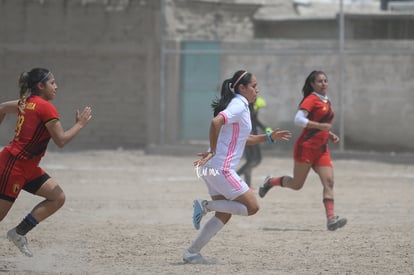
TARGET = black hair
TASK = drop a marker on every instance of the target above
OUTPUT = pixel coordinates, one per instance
(229, 88)
(307, 87)
(28, 83)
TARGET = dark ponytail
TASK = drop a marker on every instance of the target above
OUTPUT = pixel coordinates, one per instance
(229, 88)
(28, 84)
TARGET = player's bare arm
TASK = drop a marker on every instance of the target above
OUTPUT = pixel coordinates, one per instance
(8, 107)
(61, 137)
(276, 134)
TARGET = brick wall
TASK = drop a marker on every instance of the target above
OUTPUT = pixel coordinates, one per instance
(102, 53)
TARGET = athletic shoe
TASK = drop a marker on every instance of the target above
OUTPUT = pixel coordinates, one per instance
(194, 258)
(336, 223)
(20, 241)
(199, 212)
(265, 187)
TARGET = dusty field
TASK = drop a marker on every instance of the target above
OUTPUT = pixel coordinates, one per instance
(130, 213)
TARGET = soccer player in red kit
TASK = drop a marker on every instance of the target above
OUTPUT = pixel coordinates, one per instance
(315, 115)
(37, 122)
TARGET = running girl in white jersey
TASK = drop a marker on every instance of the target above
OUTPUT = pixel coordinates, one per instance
(229, 133)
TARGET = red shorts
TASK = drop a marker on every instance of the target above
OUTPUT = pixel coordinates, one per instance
(17, 174)
(314, 156)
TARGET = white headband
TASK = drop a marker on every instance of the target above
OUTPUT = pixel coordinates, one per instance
(238, 79)
(45, 77)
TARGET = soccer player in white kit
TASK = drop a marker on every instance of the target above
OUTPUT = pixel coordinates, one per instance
(229, 133)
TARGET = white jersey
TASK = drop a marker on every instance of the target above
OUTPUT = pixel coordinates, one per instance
(233, 135)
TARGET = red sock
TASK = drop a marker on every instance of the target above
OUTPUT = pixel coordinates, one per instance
(276, 181)
(329, 208)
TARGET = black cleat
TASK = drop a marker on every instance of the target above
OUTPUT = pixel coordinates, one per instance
(335, 223)
(265, 187)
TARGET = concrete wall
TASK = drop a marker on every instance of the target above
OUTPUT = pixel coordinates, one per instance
(378, 75)
(357, 27)
(106, 54)
(103, 53)
(377, 91)
(378, 103)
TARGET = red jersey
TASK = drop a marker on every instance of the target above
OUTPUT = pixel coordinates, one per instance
(318, 111)
(31, 135)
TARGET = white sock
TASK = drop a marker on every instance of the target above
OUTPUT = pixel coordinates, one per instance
(225, 206)
(209, 230)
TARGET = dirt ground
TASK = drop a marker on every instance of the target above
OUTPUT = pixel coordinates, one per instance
(130, 213)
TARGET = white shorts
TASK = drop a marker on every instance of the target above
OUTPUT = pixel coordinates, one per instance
(226, 183)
